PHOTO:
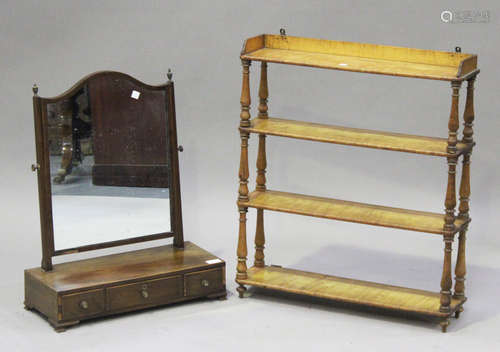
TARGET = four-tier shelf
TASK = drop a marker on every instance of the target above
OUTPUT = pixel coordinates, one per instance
(454, 67)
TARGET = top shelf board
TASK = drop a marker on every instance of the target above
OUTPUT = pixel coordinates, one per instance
(359, 57)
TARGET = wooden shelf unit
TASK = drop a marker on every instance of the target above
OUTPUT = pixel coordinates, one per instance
(367, 58)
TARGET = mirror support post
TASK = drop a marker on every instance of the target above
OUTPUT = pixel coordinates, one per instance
(43, 192)
(175, 188)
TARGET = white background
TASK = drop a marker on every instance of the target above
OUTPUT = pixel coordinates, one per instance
(55, 43)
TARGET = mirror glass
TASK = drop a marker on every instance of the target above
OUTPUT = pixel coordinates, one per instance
(109, 175)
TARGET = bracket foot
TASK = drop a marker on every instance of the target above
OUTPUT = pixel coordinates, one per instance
(61, 327)
(219, 296)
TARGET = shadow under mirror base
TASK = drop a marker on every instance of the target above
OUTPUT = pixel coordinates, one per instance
(123, 282)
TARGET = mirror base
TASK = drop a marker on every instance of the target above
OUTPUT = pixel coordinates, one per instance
(118, 283)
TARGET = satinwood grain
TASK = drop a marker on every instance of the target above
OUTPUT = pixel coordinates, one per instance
(350, 211)
(367, 58)
(360, 57)
(354, 136)
(347, 290)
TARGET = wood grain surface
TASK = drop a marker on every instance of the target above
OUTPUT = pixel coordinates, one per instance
(354, 136)
(127, 266)
(350, 211)
(347, 290)
(360, 57)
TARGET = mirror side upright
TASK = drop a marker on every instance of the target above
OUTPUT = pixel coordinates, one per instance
(173, 153)
(41, 167)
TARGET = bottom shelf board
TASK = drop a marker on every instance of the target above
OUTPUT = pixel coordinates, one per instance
(348, 290)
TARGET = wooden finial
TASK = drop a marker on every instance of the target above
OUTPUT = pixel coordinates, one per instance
(35, 89)
(169, 75)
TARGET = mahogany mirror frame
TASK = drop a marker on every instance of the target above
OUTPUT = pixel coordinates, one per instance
(44, 181)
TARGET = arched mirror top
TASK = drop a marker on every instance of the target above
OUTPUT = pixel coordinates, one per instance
(100, 75)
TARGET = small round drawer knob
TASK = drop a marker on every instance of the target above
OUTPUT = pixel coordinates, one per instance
(144, 293)
(84, 305)
(205, 283)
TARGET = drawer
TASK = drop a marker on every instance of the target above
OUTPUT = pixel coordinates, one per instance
(80, 305)
(204, 282)
(145, 293)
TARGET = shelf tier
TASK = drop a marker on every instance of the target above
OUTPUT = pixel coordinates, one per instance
(348, 290)
(350, 211)
(360, 57)
(353, 136)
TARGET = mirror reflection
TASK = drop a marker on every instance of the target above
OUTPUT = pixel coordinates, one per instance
(107, 182)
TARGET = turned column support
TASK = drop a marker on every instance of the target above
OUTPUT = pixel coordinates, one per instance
(263, 91)
(446, 280)
(261, 168)
(463, 208)
(241, 268)
(244, 122)
(450, 201)
(242, 245)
